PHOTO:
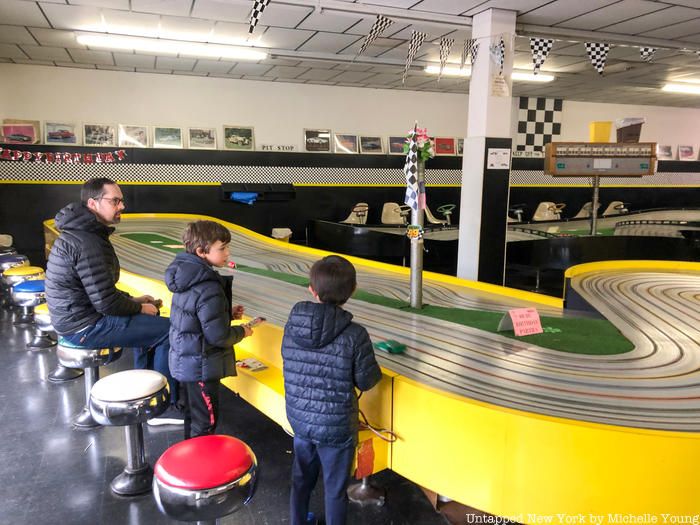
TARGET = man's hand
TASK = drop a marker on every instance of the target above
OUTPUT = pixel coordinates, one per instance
(248, 330)
(237, 312)
(149, 309)
(144, 299)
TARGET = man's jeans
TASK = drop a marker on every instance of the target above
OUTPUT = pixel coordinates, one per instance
(146, 334)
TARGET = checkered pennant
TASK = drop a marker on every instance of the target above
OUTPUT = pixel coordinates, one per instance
(417, 39)
(471, 47)
(598, 53)
(380, 24)
(410, 169)
(498, 53)
(540, 48)
(647, 53)
(445, 48)
(258, 9)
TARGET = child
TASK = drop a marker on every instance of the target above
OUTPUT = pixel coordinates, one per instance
(326, 356)
(201, 335)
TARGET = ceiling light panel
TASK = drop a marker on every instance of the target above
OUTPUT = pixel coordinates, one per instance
(177, 28)
(230, 11)
(163, 7)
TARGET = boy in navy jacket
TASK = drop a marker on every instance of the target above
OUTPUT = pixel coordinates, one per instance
(201, 335)
(326, 356)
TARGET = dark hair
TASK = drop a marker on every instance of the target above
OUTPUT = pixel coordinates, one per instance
(334, 279)
(94, 188)
(202, 234)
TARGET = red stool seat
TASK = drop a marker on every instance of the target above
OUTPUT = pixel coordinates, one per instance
(204, 462)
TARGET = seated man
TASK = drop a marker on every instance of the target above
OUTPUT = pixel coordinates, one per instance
(81, 275)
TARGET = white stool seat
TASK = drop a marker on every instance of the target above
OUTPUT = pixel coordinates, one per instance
(128, 385)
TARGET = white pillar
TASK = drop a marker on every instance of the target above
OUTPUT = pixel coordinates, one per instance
(489, 118)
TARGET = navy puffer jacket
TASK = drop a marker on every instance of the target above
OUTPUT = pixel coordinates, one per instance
(82, 272)
(326, 356)
(201, 335)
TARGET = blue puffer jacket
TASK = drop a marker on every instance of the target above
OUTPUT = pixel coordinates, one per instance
(325, 357)
(201, 335)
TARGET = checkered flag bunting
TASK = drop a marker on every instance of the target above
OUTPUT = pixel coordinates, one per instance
(498, 53)
(540, 48)
(417, 39)
(471, 48)
(380, 24)
(598, 53)
(410, 169)
(647, 53)
(258, 9)
(445, 48)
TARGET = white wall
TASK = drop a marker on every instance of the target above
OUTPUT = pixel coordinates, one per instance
(280, 111)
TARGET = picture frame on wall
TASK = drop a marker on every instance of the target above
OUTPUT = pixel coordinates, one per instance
(396, 143)
(15, 131)
(60, 133)
(371, 145)
(445, 146)
(345, 143)
(239, 138)
(687, 153)
(167, 137)
(202, 138)
(317, 140)
(664, 152)
(131, 136)
(98, 135)
(460, 147)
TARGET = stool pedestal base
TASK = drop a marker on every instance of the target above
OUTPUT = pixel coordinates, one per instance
(41, 340)
(84, 419)
(61, 374)
(133, 483)
(26, 317)
(366, 494)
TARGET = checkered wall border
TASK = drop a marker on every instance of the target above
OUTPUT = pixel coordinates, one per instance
(538, 178)
(539, 122)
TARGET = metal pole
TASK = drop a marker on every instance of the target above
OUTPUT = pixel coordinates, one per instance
(417, 247)
(594, 205)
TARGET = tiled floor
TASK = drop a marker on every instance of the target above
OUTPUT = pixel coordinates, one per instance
(50, 473)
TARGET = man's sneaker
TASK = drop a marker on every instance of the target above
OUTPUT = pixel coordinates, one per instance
(171, 416)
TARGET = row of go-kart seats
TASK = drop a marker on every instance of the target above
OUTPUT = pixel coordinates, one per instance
(551, 211)
(398, 214)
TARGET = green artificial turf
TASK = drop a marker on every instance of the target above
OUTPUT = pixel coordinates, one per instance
(604, 232)
(563, 334)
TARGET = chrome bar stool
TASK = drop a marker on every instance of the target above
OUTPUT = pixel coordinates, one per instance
(27, 295)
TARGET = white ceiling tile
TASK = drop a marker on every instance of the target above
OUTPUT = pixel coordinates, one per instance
(394, 3)
(385, 78)
(83, 18)
(213, 66)
(130, 23)
(111, 4)
(33, 62)
(163, 7)
(328, 42)
(17, 13)
(353, 76)
(364, 26)
(255, 77)
(432, 30)
(354, 67)
(378, 47)
(179, 28)
(318, 64)
(285, 72)
(46, 53)
(231, 33)
(15, 35)
(280, 38)
(329, 21)
(85, 56)
(120, 68)
(250, 69)
(319, 74)
(131, 60)
(520, 6)
(280, 15)
(179, 64)
(677, 30)
(11, 51)
(448, 7)
(75, 65)
(229, 11)
(612, 14)
(56, 37)
(652, 21)
(280, 62)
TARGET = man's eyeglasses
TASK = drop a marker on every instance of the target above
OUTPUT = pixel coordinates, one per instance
(115, 201)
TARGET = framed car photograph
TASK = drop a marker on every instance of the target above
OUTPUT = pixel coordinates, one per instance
(60, 133)
(202, 138)
(445, 146)
(98, 135)
(687, 153)
(166, 137)
(317, 140)
(460, 147)
(396, 144)
(239, 138)
(372, 145)
(133, 136)
(20, 132)
(345, 143)
(664, 152)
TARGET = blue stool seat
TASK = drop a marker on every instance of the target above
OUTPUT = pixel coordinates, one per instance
(36, 286)
(12, 257)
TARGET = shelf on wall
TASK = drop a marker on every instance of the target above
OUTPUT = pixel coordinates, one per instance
(265, 192)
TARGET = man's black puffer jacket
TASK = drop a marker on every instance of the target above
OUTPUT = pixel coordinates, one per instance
(201, 335)
(325, 357)
(82, 272)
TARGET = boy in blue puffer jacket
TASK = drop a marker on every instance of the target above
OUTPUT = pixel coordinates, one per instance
(201, 335)
(326, 356)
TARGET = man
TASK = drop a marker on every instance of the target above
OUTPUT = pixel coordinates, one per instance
(81, 275)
